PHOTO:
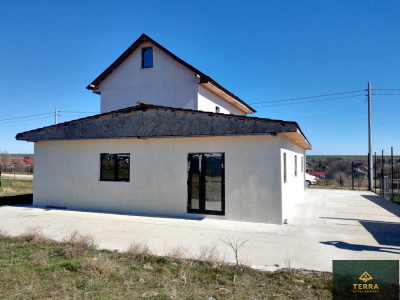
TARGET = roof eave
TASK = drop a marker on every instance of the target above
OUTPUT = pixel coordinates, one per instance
(213, 86)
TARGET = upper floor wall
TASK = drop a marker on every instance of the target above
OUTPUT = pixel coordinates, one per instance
(208, 101)
(166, 83)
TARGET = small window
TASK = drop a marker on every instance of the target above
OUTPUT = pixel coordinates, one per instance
(114, 167)
(147, 57)
(284, 167)
(295, 165)
(217, 109)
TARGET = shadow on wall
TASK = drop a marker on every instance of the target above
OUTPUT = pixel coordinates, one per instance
(384, 203)
(385, 233)
(356, 247)
(17, 200)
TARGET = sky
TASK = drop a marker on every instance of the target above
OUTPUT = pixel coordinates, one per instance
(263, 51)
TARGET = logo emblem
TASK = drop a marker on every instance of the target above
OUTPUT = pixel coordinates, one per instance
(365, 277)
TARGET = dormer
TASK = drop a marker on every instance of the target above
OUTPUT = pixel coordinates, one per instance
(148, 73)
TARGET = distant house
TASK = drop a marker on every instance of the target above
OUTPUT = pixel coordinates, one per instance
(169, 141)
(28, 160)
(320, 175)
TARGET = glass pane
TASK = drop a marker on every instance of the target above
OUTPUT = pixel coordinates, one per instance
(195, 166)
(107, 166)
(123, 167)
(213, 165)
(147, 57)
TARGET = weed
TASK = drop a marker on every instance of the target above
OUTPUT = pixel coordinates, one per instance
(76, 244)
(33, 235)
(138, 251)
(98, 265)
(178, 253)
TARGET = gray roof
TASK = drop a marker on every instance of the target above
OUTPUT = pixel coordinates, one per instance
(151, 121)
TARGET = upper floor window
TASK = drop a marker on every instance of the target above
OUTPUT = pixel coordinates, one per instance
(217, 110)
(114, 167)
(147, 57)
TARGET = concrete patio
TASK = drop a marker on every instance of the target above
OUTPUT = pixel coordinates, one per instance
(326, 225)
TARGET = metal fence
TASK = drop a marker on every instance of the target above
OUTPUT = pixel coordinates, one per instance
(387, 177)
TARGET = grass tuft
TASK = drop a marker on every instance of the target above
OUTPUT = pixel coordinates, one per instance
(76, 244)
(33, 235)
(138, 251)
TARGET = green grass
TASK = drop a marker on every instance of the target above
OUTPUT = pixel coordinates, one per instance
(396, 197)
(33, 267)
(10, 187)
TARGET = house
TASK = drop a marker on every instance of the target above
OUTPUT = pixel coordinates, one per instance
(28, 160)
(320, 175)
(169, 141)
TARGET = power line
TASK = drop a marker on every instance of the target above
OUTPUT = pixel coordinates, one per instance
(79, 112)
(323, 116)
(24, 117)
(385, 125)
(23, 123)
(26, 120)
(385, 89)
(308, 97)
(320, 100)
(386, 94)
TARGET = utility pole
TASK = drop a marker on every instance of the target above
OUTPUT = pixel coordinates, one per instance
(370, 165)
(56, 115)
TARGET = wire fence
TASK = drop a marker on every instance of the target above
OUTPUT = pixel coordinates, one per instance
(387, 177)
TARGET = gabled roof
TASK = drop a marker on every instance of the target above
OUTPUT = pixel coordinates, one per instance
(144, 38)
(151, 121)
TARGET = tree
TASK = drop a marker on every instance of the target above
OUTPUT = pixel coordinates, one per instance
(5, 158)
(338, 170)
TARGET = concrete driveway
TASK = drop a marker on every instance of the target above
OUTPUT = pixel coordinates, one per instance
(325, 225)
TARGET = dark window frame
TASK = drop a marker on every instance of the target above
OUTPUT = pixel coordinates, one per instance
(202, 209)
(116, 167)
(295, 165)
(284, 168)
(145, 64)
(302, 164)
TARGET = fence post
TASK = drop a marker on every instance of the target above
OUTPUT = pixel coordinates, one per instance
(352, 175)
(383, 178)
(375, 173)
(391, 151)
(398, 187)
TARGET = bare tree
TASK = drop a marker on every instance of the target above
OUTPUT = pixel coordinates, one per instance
(235, 246)
(5, 158)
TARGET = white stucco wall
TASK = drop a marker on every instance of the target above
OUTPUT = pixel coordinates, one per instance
(67, 175)
(293, 189)
(207, 101)
(167, 83)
